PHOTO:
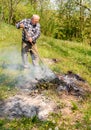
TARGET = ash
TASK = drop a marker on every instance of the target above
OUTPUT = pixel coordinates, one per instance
(23, 105)
(30, 101)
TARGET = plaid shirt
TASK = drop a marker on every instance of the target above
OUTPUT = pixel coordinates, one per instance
(33, 31)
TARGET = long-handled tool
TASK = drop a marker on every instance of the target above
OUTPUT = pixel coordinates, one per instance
(34, 48)
(44, 67)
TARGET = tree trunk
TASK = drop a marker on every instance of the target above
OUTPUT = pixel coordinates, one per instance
(81, 17)
(2, 13)
(10, 12)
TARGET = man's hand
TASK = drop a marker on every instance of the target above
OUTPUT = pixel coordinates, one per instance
(21, 25)
(30, 39)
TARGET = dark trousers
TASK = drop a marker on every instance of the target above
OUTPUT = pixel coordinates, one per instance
(32, 50)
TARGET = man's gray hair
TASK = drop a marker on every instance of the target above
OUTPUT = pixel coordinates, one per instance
(35, 16)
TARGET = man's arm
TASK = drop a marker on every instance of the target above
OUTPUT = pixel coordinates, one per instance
(20, 24)
(37, 34)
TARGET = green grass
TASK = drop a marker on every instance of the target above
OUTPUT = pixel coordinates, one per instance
(26, 124)
(72, 55)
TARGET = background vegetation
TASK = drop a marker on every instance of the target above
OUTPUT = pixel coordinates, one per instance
(61, 19)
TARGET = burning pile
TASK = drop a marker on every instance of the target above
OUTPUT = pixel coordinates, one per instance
(31, 101)
(70, 83)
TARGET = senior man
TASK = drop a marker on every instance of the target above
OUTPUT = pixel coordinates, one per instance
(30, 33)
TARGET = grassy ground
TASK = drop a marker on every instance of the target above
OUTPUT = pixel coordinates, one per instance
(72, 56)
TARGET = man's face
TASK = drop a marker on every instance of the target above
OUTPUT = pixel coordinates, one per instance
(35, 20)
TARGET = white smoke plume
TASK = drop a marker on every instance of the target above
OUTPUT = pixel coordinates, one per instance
(12, 64)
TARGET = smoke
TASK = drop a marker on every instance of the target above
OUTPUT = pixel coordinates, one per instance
(10, 59)
(12, 64)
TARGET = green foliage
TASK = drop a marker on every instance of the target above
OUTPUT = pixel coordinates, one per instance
(26, 124)
(87, 116)
(48, 23)
(22, 12)
(68, 20)
(74, 106)
(85, 123)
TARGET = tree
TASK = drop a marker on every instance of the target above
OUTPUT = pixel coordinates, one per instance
(8, 9)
